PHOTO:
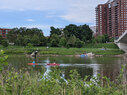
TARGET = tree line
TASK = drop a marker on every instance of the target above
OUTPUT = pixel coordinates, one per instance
(3, 41)
(22, 36)
(70, 36)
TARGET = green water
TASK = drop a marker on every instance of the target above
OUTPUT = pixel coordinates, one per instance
(106, 66)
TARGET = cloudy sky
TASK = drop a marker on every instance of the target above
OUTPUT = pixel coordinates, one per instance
(45, 13)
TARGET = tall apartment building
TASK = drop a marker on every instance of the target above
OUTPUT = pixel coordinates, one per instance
(111, 18)
(100, 19)
(4, 32)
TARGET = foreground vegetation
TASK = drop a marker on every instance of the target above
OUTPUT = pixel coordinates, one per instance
(26, 81)
(22, 82)
(109, 49)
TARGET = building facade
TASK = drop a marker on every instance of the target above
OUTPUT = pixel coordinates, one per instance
(4, 32)
(100, 19)
(111, 18)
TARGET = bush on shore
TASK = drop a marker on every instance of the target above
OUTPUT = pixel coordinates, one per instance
(22, 82)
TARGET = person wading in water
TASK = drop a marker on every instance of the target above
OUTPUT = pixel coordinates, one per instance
(34, 56)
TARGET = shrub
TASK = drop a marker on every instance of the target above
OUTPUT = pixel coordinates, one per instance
(29, 45)
(3, 59)
(4, 43)
(23, 82)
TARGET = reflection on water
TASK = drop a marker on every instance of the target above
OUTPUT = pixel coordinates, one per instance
(106, 66)
(46, 74)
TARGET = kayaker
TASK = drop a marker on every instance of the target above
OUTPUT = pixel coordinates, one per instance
(34, 55)
(54, 62)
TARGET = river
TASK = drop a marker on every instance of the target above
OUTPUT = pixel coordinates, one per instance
(105, 66)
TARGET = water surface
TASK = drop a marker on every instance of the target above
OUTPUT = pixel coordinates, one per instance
(106, 66)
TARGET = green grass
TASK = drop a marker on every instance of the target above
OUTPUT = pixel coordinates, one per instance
(109, 52)
(100, 45)
(111, 49)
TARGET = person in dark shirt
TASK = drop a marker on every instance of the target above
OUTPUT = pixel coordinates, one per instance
(34, 55)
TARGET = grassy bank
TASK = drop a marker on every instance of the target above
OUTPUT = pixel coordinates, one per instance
(100, 45)
(110, 49)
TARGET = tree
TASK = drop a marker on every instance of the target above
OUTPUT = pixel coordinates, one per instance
(23, 36)
(71, 30)
(66, 34)
(19, 40)
(3, 59)
(43, 41)
(106, 38)
(4, 43)
(35, 40)
(13, 34)
(93, 40)
(1, 38)
(71, 41)
(102, 39)
(99, 39)
(55, 31)
(26, 40)
(54, 43)
(111, 39)
(79, 43)
(85, 33)
(62, 42)
(54, 40)
(29, 45)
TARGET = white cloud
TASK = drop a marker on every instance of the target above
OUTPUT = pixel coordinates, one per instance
(37, 26)
(40, 26)
(30, 20)
(79, 16)
(79, 11)
(45, 4)
(82, 11)
(32, 4)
